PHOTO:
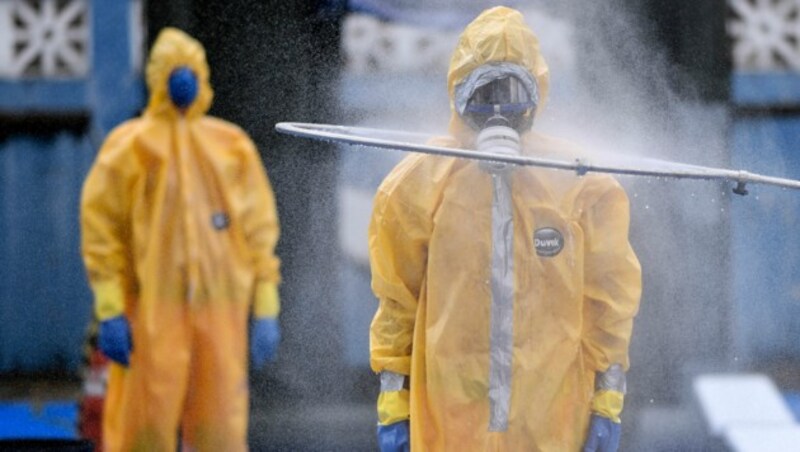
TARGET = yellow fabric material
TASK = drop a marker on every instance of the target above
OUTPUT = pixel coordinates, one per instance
(608, 404)
(392, 406)
(178, 211)
(109, 298)
(430, 243)
(267, 301)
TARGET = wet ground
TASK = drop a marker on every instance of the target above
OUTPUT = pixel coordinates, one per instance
(324, 426)
(331, 427)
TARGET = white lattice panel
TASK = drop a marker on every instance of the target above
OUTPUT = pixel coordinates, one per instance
(371, 45)
(765, 33)
(44, 38)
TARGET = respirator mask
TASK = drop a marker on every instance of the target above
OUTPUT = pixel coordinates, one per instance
(499, 101)
(182, 87)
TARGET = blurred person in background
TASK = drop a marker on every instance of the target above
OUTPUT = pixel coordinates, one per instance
(506, 294)
(179, 228)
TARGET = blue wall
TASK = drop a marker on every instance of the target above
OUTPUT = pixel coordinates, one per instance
(765, 138)
(45, 302)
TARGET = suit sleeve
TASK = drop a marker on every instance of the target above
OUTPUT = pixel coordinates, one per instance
(613, 282)
(259, 216)
(106, 228)
(399, 233)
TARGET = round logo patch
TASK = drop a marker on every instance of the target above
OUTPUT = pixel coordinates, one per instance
(548, 242)
(220, 221)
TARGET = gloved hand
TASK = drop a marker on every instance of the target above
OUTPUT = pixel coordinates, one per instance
(114, 339)
(393, 437)
(393, 413)
(264, 343)
(603, 435)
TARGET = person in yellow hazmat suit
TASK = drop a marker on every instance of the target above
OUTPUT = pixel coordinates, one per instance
(179, 229)
(506, 294)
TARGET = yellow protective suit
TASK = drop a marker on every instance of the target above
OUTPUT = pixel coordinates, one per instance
(179, 228)
(573, 295)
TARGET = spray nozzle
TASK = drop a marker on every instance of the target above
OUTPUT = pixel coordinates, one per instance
(740, 188)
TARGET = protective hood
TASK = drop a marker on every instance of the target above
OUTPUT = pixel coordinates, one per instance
(173, 49)
(498, 35)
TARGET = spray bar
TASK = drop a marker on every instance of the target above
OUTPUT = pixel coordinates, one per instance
(376, 138)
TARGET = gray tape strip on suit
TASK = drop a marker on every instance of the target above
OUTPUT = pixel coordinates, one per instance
(502, 308)
(391, 381)
(613, 379)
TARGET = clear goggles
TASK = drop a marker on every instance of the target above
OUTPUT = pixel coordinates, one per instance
(505, 96)
(501, 89)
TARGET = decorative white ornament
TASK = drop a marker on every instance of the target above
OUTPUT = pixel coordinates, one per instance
(766, 34)
(44, 38)
(371, 45)
(374, 46)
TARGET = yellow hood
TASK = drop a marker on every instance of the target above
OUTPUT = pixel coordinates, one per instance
(172, 49)
(498, 34)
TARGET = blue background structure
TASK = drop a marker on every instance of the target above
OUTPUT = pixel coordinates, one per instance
(52, 420)
(45, 303)
(764, 134)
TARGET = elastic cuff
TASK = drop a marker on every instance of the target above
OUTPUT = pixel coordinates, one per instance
(608, 404)
(267, 302)
(393, 406)
(109, 299)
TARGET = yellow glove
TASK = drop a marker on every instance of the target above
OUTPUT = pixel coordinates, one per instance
(608, 403)
(109, 299)
(609, 392)
(393, 406)
(267, 301)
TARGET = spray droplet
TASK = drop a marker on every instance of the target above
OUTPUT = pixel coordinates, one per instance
(713, 200)
(647, 206)
(736, 358)
(652, 401)
(692, 194)
(756, 198)
(722, 209)
(636, 195)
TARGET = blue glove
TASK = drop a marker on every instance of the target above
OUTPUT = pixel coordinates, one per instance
(393, 437)
(603, 435)
(114, 339)
(264, 343)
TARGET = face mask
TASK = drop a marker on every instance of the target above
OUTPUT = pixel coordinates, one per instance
(182, 86)
(497, 137)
